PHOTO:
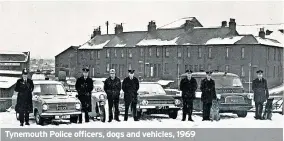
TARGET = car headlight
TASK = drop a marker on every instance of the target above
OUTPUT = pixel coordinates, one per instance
(78, 106)
(218, 96)
(250, 96)
(44, 107)
(144, 102)
(101, 97)
(177, 102)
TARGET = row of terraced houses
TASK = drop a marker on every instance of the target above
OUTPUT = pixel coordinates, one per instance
(166, 52)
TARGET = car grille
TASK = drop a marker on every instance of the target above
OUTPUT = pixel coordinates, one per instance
(61, 107)
(161, 102)
(234, 100)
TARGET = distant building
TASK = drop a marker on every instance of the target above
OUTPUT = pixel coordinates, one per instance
(12, 63)
(166, 52)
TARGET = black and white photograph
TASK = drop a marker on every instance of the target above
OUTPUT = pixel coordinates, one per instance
(141, 64)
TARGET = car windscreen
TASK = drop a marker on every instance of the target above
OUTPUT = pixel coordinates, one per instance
(223, 81)
(151, 89)
(97, 82)
(49, 89)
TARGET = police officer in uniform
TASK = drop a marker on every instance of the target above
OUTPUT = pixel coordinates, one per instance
(261, 94)
(24, 106)
(188, 87)
(130, 86)
(84, 86)
(112, 87)
(208, 94)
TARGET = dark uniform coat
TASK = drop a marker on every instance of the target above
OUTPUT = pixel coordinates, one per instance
(208, 90)
(260, 90)
(24, 99)
(112, 87)
(84, 88)
(130, 88)
(188, 88)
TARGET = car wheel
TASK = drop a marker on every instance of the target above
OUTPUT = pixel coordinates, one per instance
(102, 113)
(39, 120)
(173, 115)
(74, 119)
(17, 116)
(242, 113)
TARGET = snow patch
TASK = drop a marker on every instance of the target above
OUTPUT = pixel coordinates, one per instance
(90, 46)
(228, 40)
(10, 72)
(12, 53)
(157, 42)
(120, 45)
(165, 82)
(268, 42)
(7, 82)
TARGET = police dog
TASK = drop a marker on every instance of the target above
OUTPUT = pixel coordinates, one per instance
(268, 109)
(214, 111)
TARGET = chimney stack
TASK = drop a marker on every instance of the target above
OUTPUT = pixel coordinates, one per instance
(224, 23)
(97, 31)
(232, 24)
(107, 26)
(261, 33)
(118, 29)
(188, 25)
(152, 26)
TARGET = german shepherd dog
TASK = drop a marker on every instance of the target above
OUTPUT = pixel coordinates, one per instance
(214, 111)
(268, 109)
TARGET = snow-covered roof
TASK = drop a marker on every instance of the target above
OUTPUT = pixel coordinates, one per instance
(13, 57)
(89, 45)
(180, 23)
(227, 40)
(157, 42)
(38, 82)
(7, 82)
(38, 77)
(270, 42)
(277, 89)
(10, 72)
(165, 82)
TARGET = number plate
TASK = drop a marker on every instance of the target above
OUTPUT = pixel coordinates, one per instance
(62, 117)
(162, 107)
(61, 107)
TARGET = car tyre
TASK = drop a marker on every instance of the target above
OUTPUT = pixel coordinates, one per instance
(74, 119)
(39, 120)
(242, 113)
(173, 115)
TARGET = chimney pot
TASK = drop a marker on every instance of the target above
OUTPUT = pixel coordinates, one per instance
(261, 33)
(152, 26)
(224, 23)
(232, 25)
(188, 25)
(118, 29)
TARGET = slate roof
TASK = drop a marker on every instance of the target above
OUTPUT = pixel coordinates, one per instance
(11, 57)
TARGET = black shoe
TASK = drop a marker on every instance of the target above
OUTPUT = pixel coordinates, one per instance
(87, 121)
(110, 120)
(117, 120)
(22, 124)
(191, 120)
(136, 119)
(27, 123)
(80, 122)
(125, 120)
(183, 119)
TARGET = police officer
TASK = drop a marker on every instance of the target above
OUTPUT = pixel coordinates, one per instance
(188, 87)
(112, 87)
(24, 106)
(208, 94)
(130, 86)
(84, 86)
(261, 94)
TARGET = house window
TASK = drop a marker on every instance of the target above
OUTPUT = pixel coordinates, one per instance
(178, 72)
(199, 52)
(179, 52)
(107, 68)
(129, 66)
(167, 52)
(242, 71)
(243, 52)
(166, 68)
(122, 53)
(147, 70)
(268, 53)
(190, 67)
(279, 55)
(141, 52)
(188, 52)
(210, 52)
(107, 53)
(200, 67)
(92, 55)
(115, 54)
(140, 67)
(209, 67)
(274, 72)
(93, 71)
(98, 68)
(130, 53)
(150, 51)
(227, 52)
(274, 53)
(157, 52)
(98, 54)
(195, 67)
(227, 68)
(186, 67)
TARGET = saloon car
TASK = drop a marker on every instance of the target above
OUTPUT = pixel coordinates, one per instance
(51, 102)
(152, 99)
(230, 93)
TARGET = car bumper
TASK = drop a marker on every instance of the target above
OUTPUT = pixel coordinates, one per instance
(235, 107)
(60, 114)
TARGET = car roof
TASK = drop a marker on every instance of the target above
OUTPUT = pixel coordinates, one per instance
(203, 74)
(38, 82)
(149, 83)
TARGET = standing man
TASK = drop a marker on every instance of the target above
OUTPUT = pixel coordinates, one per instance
(130, 86)
(188, 87)
(260, 90)
(24, 88)
(84, 86)
(112, 88)
(208, 94)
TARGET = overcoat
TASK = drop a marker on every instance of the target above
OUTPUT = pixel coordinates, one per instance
(208, 90)
(260, 90)
(24, 99)
(130, 89)
(188, 88)
(112, 87)
(84, 88)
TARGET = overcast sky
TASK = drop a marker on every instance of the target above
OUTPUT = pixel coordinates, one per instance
(47, 28)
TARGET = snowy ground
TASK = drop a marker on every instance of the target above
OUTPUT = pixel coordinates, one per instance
(8, 120)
